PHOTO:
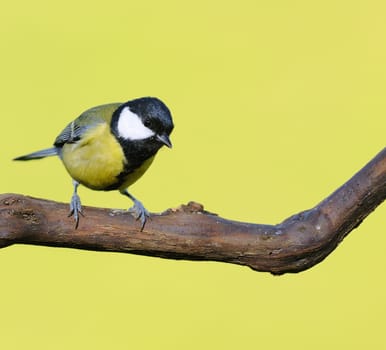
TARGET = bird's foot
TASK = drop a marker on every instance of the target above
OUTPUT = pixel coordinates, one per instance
(139, 212)
(75, 208)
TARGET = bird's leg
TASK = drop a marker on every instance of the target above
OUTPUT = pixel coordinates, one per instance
(75, 204)
(138, 210)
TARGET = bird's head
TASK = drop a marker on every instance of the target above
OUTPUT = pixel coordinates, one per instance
(146, 118)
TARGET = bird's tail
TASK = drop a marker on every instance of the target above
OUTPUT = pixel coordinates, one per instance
(39, 154)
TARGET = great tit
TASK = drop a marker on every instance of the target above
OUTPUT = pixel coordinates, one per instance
(109, 147)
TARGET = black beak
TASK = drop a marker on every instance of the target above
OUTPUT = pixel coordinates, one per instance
(165, 140)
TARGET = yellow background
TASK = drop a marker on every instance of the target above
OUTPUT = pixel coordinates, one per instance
(276, 104)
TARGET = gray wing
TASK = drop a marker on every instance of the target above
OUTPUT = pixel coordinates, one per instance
(71, 133)
(74, 131)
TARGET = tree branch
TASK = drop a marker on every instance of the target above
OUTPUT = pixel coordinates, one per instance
(191, 233)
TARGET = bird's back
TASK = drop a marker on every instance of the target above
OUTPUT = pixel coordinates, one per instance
(102, 112)
(89, 119)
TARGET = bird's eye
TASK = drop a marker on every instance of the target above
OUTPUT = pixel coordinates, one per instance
(147, 123)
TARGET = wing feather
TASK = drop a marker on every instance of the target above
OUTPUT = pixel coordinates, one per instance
(71, 133)
(74, 131)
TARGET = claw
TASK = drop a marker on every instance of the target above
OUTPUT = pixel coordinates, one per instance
(75, 209)
(139, 212)
(75, 205)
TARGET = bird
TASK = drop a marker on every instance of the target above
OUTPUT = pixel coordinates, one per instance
(109, 147)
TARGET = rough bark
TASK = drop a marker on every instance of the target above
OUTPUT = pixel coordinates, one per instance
(189, 232)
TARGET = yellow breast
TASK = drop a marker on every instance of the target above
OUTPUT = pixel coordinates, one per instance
(96, 159)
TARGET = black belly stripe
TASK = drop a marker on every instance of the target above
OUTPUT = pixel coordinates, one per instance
(121, 177)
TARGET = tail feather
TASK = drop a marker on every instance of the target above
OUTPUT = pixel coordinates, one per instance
(39, 154)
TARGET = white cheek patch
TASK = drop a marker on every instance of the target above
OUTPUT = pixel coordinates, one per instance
(130, 126)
